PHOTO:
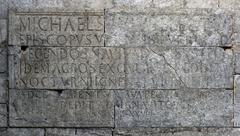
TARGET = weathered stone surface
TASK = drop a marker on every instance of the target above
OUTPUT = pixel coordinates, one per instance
(63, 108)
(3, 88)
(132, 4)
(67, 67)
(168, 29)
(79, 132)
(237, 100)
(3, 9)
(74, 5)
(170, 4)
(202, 3)
(174, 108)
(21, 132)
(3, 58)
(61, 5)
(56, 29)
(171, 68)
(236, 29)
(179, 132)
(237, 60)
(3, 43)
(3, 115)
(3, 30)
(229, 4)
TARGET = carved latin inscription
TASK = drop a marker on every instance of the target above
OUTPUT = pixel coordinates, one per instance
(68, 68)
(67, 108)
(54, 29)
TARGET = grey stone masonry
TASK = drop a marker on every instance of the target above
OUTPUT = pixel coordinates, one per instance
(174, 108)
(78, 132)
(119, 67)
(172, 68)
(67, 68)
(162, 28)
(179, 132)
(62, 108)
(3, 88)
(21, 132)
(3, 115)
(56, 29)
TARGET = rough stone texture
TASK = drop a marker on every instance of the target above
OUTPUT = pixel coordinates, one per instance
(3, 9)
(185, 28)
(67, 68)
(202, 3)
(3, 115)
(237, 60)
(91, 67)
(3, 30)
(229, 4)
(131, 4)
(3, 88)
(53, 5)
(237, 100)
(170, 4)
(3, 58)
(174, 108)
(3, 43)
(171, 68)
(79, 132)
(179, 132)
(56, 29)
(62, 108)
(21, 132)
(236, 29)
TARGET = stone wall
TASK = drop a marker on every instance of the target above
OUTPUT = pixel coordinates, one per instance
(119, 68)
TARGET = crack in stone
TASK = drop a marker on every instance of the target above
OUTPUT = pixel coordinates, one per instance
(169, 65)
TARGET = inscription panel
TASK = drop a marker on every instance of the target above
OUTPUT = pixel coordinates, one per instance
(172, 68)
(56, 29)
(63, 108)
(168, 29)
(174, 108)
(67, 67)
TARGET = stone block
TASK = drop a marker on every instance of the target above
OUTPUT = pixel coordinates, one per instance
(201, 3)
(3, 88)
(165, 28)
(66, 68)
(229, 4)
(3, 59)
(237, 61)
(78, 132)
(131, 5)
(179, 132)
(174, 108)
(172, 68)
(168, 4)
(237, 100)
(3, 9)
(21, 132)
(61, 108)
(56, 29)
(3, 31)
(3, 115)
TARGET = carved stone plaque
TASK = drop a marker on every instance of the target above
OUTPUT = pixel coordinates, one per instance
(56, 29)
